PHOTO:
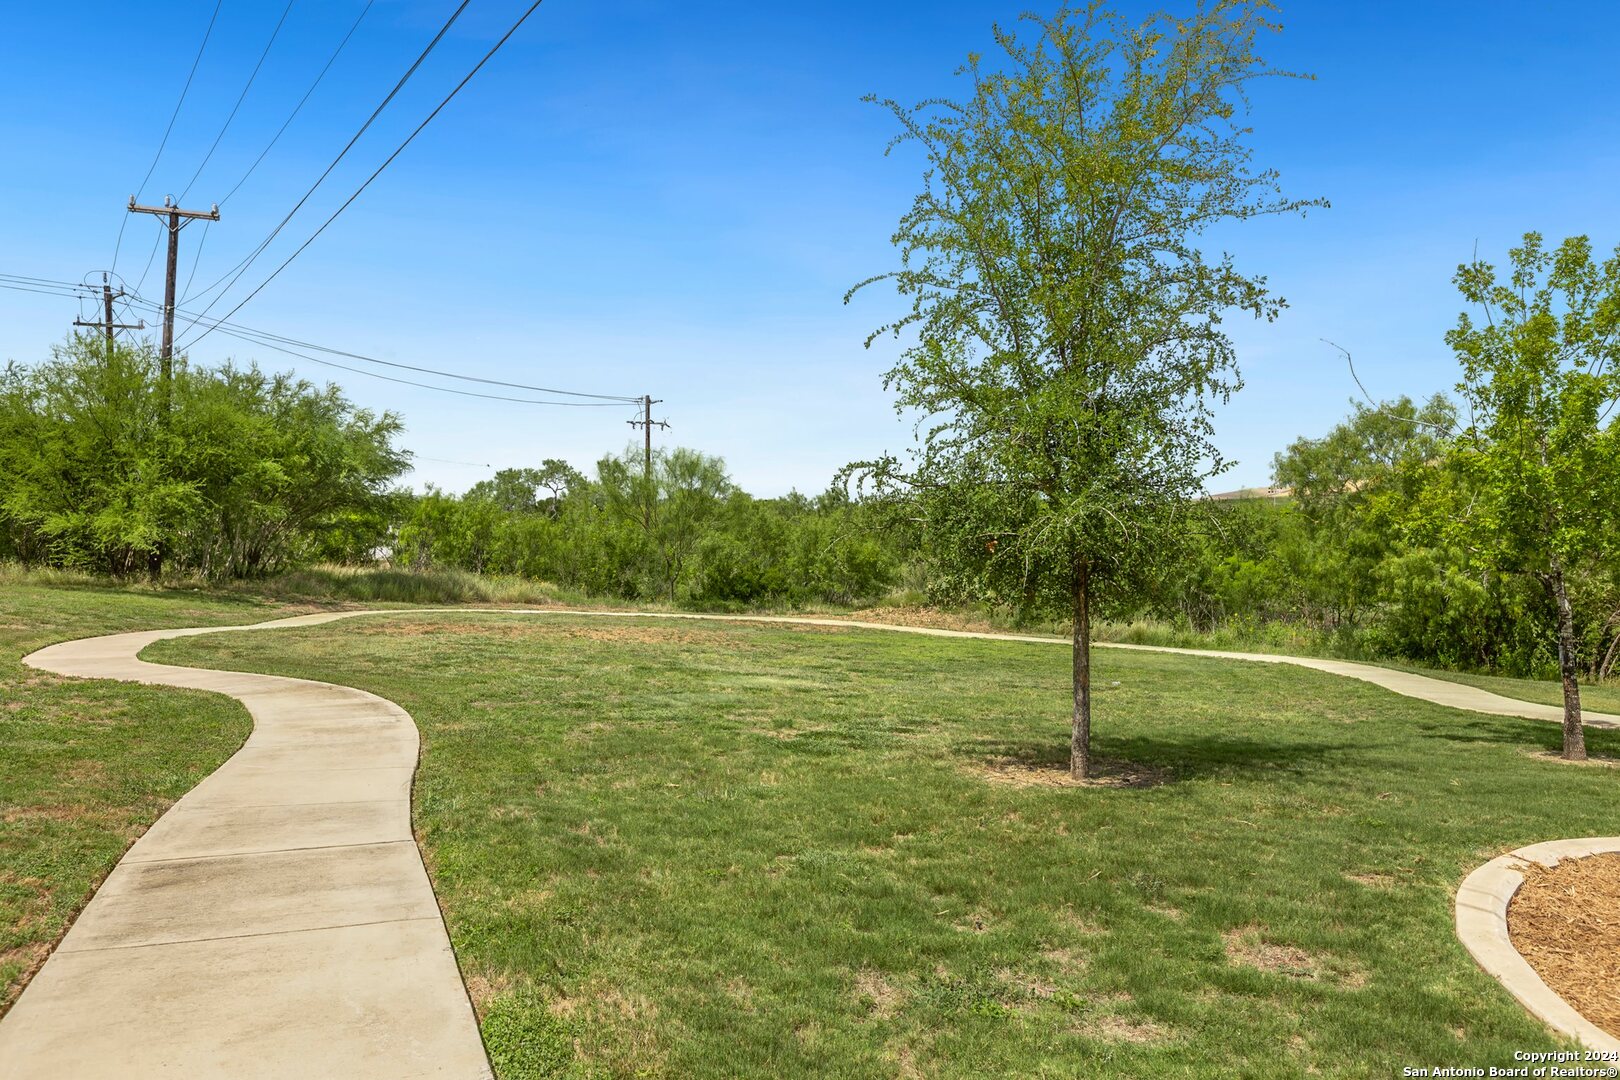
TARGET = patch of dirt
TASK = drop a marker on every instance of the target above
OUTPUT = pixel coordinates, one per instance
(972, 924)
(613, 631)
(646, 632)
(1069, 961)
(1566, 922)
(906, 1060)
(626, 1022)
(1015, 772)
(56, 812)
(739, 991)
(1373, 880)
(1111, 1027)
(1247, 946)
(483, 989)
(1594, 760)
(922, 616)
(1026, 985)
(1080, 922)
(880, 998)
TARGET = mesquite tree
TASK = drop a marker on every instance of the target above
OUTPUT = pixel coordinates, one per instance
(1541, 377)
(1068, 324)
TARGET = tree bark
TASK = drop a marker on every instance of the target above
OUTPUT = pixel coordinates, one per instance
(1080, 732)
(1574, 733)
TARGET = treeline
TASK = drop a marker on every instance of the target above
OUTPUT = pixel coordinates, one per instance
(684, 533)
(1361, 558)
(108, 466)
(231, 473)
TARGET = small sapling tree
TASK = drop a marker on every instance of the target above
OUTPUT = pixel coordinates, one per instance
(1541, 376)
(1068, 324)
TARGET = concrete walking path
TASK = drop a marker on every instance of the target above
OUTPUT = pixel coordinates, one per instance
(276, 922)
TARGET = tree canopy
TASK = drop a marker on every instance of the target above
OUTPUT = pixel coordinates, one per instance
(1067, 320)
(1541, 378)
(240, 474)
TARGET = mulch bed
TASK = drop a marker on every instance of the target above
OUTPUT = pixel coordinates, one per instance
(1566, 922)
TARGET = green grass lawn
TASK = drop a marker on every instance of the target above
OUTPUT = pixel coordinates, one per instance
(85, 767)
(722, 850)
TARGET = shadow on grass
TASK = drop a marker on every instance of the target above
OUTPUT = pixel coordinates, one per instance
(1167, 760)
(1521, 735)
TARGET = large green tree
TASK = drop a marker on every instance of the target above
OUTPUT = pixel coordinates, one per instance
(231, 471)
(672, 504)
(1541, 377)
(1354, 487)
(1067, 317)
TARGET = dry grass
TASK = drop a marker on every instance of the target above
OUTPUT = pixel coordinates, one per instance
(1566, 922)
(483, 989)
(1595, 760)
(1372, 881)
(933, 618)
(879, 997)
(1111, 1027)
(1247, 946)
(1104, 774)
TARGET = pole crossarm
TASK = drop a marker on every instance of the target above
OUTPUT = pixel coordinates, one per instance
(211, 214)
(176, 220)
(99, 325)
(106, 323)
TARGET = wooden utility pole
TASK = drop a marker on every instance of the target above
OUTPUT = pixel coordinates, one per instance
(107, 323)
(177, 220)
(647, 423)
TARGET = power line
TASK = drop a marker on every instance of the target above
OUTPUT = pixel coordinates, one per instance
(197, 259)
(45, 281)
(157, 241)
(424, 386)
(46, 290)
(269, 337)
(81, 292)
(254, 74)
(266, 337)
(48, 287)
(408, 139)
(299, 107)
(124, 219)
(242, 267)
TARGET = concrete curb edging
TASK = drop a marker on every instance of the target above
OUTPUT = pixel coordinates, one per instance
(1482, 907)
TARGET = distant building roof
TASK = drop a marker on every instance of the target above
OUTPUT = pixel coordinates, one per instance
(1254, 493)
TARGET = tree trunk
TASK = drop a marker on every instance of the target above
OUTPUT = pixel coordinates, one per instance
(1574, 734)
(1607, 666)
(1080, 733)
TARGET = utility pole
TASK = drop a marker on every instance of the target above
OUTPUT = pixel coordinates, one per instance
(177, 220)
(647, 423)
(106, 323)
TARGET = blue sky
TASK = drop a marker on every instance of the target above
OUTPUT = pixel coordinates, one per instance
(672, 198)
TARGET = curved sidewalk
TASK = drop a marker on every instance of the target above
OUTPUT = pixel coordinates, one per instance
(276, 922)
